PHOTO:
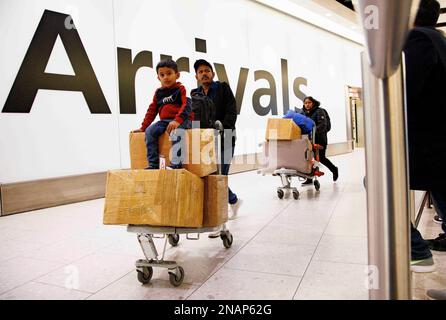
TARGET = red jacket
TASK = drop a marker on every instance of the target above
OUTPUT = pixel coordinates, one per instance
(170, 103)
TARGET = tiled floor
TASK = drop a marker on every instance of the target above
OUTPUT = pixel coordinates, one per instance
(311, 248)
(435, 280)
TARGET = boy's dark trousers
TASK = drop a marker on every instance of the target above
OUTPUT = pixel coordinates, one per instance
(153, 132)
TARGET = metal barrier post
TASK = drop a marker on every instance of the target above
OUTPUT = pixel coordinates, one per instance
(385, 24)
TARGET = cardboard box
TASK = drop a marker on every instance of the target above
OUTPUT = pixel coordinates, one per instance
(138, 150)
(215, 210)
(282, 129)
(170, 198)
(200, 158)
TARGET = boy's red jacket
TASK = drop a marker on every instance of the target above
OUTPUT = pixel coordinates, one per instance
(170, 103)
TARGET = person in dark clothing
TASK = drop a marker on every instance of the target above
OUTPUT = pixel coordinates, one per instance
(174, 110)
(313, 110)
(226, 112)
(425, 57)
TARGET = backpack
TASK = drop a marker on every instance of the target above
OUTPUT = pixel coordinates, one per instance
(204, 110)
(328, 119)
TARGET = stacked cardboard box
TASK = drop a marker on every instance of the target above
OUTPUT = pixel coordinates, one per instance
(215, 211)
(282, 129)
(199, 158)
(154, 197)
(189, 197)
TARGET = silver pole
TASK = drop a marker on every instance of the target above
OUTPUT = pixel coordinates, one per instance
(386, 23)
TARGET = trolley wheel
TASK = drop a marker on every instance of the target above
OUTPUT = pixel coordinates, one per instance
(227, 239)
(317, 185)
(296, 195)
(280, 193)
(145, 275)
(175, 278)
(173, 239)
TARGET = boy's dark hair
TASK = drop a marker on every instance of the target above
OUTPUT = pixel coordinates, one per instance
(167, 64)
(202, 62)
(428, 13)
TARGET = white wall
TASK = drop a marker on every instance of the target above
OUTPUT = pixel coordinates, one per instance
(61, 137)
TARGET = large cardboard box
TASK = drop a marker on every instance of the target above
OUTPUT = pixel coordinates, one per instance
(292, 154)
(200, 158)
(282, 129)
(215, 210)
(171, 198)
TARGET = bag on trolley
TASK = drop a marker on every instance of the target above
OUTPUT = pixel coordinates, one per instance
(290, 154)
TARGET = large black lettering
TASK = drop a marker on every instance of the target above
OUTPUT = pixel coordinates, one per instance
(271, 91)
(32, 77)
(126, 73)
(241, 83)
(285, 87)
(296, 88)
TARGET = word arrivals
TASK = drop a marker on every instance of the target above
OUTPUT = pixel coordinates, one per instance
(32, 77)
(185, 310)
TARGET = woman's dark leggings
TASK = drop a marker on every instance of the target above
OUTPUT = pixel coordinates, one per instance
(325, 161)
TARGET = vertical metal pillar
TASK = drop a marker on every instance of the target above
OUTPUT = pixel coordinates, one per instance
(385, 24)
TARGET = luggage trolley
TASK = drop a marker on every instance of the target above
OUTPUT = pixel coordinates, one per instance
(286, 175)
(146, 234)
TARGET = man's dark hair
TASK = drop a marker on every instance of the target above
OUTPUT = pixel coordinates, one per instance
(428, 13)
(315, 102)
(167, 64)
(202, 62)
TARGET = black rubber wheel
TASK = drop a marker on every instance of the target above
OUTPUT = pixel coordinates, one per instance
(145, 275)
(280, 193)
(296, 195)
(173, 239)
(176, 279)
(317, 185)
(227, 240)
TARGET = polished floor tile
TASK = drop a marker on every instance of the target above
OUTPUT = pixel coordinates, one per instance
(40, 291)
(128, 288)
(229, 284)
(346, 249)
(332, 281)
(91, 273)
(18, 271)
(269, 258)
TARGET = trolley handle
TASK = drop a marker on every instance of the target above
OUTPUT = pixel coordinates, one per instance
(219, 127)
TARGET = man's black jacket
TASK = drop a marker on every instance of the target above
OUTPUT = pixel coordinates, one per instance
(426, 108)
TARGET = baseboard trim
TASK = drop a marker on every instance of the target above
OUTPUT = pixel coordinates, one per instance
(39, 194)
(335, 149)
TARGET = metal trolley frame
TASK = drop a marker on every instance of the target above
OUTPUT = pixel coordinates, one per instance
(146, 234)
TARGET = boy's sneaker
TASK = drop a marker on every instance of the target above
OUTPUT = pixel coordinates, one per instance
(234, 209)
(434, 294)
(437, 219)
(307, 182)
(422, 266)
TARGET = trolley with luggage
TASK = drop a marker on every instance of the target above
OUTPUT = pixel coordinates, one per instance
(289, 159)
(146, 235)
